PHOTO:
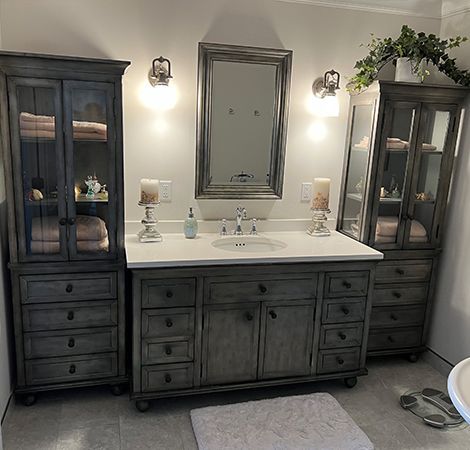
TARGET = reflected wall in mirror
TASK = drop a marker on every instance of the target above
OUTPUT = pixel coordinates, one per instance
(243, 96)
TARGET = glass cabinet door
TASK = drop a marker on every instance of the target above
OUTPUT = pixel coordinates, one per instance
(394, 173)
(90, 160)
(362, 116)
(38, 158)
(432, 169)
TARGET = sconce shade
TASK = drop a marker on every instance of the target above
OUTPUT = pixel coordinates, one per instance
(160, 75)
(325, 88)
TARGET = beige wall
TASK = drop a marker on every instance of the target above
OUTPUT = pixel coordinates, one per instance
(450, 328)
(321, 38)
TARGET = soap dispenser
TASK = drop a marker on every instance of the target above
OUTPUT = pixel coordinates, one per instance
(190, 225)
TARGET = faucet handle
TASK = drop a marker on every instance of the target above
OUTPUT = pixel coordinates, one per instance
(253, 231)
(223, 228)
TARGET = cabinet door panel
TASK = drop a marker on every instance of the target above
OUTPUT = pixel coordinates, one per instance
(90, 144)
(230, 343)
(288, 340)
(38, 165)
(398, 144)
(431, 178)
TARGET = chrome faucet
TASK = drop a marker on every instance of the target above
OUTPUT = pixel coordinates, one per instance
(241, 214)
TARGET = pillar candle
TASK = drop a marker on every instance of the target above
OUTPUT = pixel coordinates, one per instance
(149, 190)
(321, 193)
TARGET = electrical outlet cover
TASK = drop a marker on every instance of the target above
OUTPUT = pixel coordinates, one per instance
(165, 191)
(306, 193)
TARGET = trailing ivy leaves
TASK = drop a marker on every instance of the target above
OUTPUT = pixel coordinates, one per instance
(417, 47)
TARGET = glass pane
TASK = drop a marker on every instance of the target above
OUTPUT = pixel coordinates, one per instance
(91, 170)
(397, 148)
(39, 165)
(430, 159)
(357, 168)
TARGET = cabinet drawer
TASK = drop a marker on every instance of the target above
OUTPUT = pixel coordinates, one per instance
(177, 322)
(396, 316)
(334, 336)
(400, 294)
(257, 288)
(154, 351)
(395, 338)
(349, 284)
(168, 293)
(44, 344)
(76, 368)
(402, 271)
(343, 310)
(68, 287)
(340, 360)
(57, 316)
(167, 377)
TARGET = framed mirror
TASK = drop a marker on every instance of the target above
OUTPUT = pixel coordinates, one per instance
(243, 96)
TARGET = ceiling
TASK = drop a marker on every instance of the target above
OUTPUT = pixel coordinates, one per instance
(436, 9)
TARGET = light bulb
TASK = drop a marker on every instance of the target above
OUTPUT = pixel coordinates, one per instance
(159, 97)
(327, 106)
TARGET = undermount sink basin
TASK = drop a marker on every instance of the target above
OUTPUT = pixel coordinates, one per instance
(458, 386)
(248, 244)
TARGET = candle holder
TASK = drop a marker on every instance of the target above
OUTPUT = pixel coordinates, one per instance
(150, 232)
(317, 227)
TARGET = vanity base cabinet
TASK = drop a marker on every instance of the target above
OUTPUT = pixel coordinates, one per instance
(204, 329)
(401, 303)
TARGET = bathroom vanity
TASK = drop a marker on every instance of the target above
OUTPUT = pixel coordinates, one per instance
(206, 319)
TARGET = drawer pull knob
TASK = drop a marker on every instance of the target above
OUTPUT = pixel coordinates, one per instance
(345, 310)
(390, 339)
(347, 284)
(340, 361)
(400, 271)
(169, 294)
(63, 221)
(273, 314)
(169, 323)
(167, 378)
(168, 350)
(71, 343)
(72, 368)
(342, 336)
(249, 316)
(263, 289)
(70, 315)
(393, 317)
(397, 294)
(69, 288)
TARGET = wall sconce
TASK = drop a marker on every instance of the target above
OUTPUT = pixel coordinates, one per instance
(324, 89)
(160, 75)
(163, 96)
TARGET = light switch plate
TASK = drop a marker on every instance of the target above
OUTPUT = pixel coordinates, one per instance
(165, 191)
(306, 192)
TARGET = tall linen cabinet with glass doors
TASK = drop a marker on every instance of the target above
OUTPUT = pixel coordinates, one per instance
(61, 136)
(400, 151)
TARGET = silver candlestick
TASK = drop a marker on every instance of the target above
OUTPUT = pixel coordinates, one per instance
(317, 227)
(150, 232)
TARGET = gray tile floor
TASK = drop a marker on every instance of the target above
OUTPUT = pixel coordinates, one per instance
(90, 419)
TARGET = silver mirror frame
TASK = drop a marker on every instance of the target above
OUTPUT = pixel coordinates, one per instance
(282, 60)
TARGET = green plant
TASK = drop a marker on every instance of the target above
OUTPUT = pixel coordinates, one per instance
(417, 47)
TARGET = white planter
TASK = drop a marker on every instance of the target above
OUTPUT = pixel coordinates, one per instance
(404, 72)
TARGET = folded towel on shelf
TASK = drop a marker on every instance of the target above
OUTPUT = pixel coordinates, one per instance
(385, 239)
(429, 147)
(387, 228)
(37, 133)
(29, 117)
(77, 135)
(89, 127)
(45, 126)
(397, 144)
(48, 247)
(89, 228)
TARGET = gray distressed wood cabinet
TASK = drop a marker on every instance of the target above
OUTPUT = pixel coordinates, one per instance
(61, 138)
(204, 329)
(400, 150)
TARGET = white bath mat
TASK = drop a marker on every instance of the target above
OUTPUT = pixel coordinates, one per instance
(303, 422)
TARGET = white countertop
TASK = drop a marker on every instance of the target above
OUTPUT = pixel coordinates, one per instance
(177, 251)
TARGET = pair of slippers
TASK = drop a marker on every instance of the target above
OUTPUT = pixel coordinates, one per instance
(436, 398)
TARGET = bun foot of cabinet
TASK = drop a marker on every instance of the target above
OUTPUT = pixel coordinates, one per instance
(142, 405)
(28, 399)
(350, 382)
(413, 357)
(117, 389)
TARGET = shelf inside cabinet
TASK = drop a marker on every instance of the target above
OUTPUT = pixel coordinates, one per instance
(359, 198)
